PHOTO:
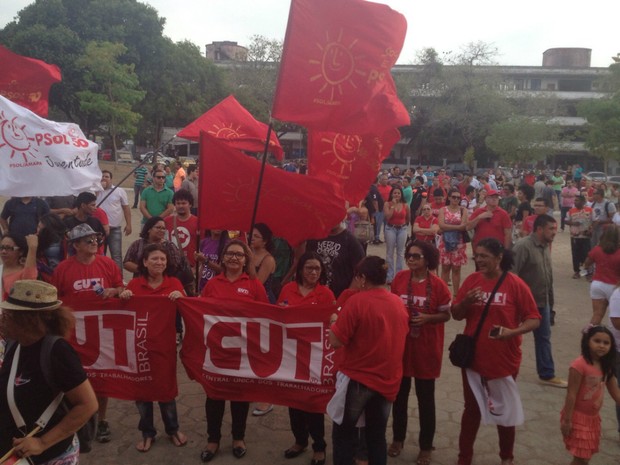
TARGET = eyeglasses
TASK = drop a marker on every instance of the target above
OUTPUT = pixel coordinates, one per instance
(9, 248)
(238, 255)
(415, 256)
(312, 269)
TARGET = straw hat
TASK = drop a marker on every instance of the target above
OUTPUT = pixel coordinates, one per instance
(29, 294)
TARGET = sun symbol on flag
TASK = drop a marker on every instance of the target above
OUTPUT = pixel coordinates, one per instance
(226, 131)
(14, 136)
(344, 149)
(338, 65)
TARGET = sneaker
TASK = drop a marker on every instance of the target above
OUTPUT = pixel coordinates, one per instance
(103, 432)
(576, 275)
(554, 382)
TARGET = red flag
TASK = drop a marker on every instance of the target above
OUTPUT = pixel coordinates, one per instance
(335, 70)
(295, 207)
(27, 81)
(230, 122)
(349, 161)
(251, 351)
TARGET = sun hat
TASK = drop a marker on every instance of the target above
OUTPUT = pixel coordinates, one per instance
(30, 294)
(80, 231)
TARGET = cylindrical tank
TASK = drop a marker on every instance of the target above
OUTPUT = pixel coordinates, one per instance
(567, 58)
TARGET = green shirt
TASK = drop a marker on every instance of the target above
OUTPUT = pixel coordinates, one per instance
(156, 201)
(558, 182)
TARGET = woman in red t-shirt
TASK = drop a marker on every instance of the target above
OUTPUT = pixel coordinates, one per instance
(426, 226)
(307, 289)
(233, 283)
(427, 299)
(513, 312)
(154, 279)
(397, 219)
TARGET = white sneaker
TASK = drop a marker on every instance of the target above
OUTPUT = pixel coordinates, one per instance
(554, 382)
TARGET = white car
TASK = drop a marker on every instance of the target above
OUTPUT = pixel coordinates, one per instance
(596, 176)
(160, 158)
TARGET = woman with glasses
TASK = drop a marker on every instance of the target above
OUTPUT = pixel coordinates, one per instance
(234, 283)
(425, 226)
(397, 219)
(19, 260)
(452, 248)
(308, 288)
(427, 299)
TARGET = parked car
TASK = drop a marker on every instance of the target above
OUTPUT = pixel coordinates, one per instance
(160, 158)
(596, 176)
(615, 180)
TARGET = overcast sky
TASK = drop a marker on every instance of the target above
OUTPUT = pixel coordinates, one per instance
(521, 31)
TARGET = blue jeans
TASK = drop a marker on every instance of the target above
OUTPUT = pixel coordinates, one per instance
(168, 415)
(618, 379)
(115, 244)
(344, 437)
(542, 345)
(395, 238)
(379, 217)
(136, 194)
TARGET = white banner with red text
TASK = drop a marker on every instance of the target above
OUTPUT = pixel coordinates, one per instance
(251, 351)
(128, 348)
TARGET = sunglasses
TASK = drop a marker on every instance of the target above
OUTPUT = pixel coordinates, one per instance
(159, 177)
(90, 241)
(415, 256)
(238, 255)
(9, 248)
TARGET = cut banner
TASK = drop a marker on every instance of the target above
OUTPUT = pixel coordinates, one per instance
(250, 351)
(43, 158)
(127, 348)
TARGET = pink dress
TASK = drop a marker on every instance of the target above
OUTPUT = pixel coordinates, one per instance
(456, 257)
(586, 432)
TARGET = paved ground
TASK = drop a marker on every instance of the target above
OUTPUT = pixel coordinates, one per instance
(538, 441)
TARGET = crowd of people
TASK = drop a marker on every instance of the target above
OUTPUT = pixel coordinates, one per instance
(431, 224)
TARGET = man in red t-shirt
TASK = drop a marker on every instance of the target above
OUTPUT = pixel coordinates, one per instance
(491, 221)
(182, 226)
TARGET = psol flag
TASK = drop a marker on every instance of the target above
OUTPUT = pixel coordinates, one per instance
(350, 161)
(26, 81)
(335, 70)
(39, 157)
(231, 123)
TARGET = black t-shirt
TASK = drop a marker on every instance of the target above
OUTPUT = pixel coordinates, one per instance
(418, 194)
(33, 395)
(523, 207)
(340, 253)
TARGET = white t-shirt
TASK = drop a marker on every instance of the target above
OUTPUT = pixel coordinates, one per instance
(113, 205)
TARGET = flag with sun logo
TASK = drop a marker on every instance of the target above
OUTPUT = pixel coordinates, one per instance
(231, 123)
(39, 157)
(350, 161)
(335, 69)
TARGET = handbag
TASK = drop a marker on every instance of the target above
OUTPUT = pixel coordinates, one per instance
(463, 348)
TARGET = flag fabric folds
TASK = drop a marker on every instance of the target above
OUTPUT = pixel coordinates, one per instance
(39, 157)
(295, 207)
(335, 69)
(27, 81)
(231, 123)
(350, 161)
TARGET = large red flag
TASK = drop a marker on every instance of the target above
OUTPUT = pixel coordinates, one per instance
(350, 161)
(230, 122)
(295, 207)
(27, 81)
(335, 70)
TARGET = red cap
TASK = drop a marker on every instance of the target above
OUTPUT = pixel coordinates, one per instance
(492, 192)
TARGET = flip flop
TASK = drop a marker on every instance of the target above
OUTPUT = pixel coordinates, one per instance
(178, 439)
(145, 445)
(395, 448)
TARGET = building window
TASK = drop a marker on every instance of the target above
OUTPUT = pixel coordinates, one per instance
(534, 84)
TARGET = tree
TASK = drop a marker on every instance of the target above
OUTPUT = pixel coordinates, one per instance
(112, 90)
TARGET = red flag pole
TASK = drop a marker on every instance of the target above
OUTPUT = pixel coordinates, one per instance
(260, 181)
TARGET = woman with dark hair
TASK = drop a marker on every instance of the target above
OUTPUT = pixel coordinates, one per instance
(262, 260)
(606, 257)
(51, 231)
(155, 279)
(19, 260)
(35, 319)
(370, 333)
(452, 247)
(525, 194)
(397, 219)
(512, 312)
(427, 299)
(209, 256)
(233, 283)
(307, 289)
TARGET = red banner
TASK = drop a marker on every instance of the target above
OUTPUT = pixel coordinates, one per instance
(128, 348)
(27, 81)
(295, 207)
(230, 122)
(349, 161)
(250, 351)
(336, 65)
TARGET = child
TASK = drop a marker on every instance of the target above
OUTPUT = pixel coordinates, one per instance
(580, 419)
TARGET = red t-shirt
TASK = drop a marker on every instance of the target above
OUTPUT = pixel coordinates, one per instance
(72, 277)
(426, 224)
(384, 191)
(244, 288)
(372, 327)
(607, 269)
(319, 295)
(528, 224)
(423, 354)
(513, 304)
(491, 227)
(186, 231)
(140, 286)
